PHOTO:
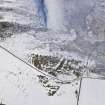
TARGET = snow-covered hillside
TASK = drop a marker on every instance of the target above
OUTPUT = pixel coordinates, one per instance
(65, 39)
(66, 14)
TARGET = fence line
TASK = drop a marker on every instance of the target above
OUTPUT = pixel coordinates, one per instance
(79, 91)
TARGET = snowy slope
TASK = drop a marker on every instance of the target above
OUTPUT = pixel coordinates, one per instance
(72, 29)
(66, 14)
(28, 36)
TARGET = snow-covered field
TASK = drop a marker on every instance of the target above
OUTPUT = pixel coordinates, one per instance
(19, 85)
(92, 92)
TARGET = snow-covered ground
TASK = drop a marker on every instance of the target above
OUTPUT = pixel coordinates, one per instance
(32, 37)
(92, 92)
(19, 85)
(74, 29)
(66, 95)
